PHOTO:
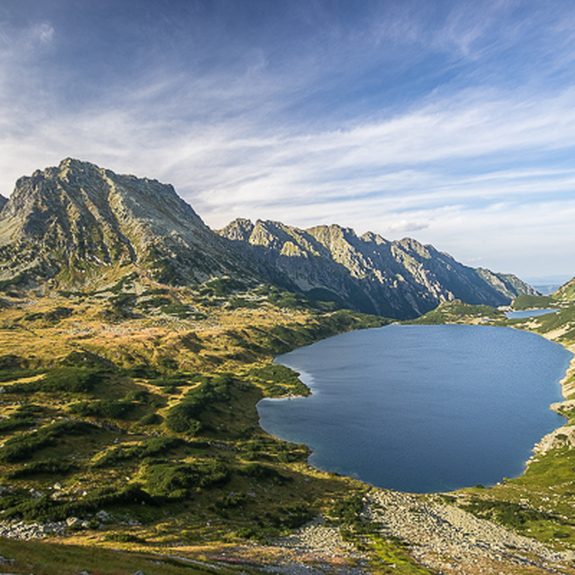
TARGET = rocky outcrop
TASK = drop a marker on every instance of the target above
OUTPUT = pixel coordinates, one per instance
(3, 202)
(77, 215)
(399, 279)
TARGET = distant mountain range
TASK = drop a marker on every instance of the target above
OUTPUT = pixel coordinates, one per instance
(395, 279)
(66, 224)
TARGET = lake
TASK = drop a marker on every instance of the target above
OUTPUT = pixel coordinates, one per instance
(422, 408)
(525, 313)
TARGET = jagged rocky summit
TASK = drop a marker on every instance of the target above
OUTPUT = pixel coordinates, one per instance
(79, 216)
(392, 278)
(63, 222)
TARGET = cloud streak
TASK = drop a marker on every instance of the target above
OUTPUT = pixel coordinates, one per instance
(397, 119)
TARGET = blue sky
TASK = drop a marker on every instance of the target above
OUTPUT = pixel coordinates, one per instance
(451, 122)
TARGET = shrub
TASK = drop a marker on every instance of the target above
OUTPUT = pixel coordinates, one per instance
(149, 448)
(46, 466)
(105, 408)
(182, 417)
(139, 395)
(141, 371)
(23, 417)
(47, 509)
(166, 480)
(23, 446)
(70, 379)
(259, 471)
(13, 423)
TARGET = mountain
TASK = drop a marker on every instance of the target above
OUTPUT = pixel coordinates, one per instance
(399, 279)
(3, 202)
(77, 217)
(74, 223)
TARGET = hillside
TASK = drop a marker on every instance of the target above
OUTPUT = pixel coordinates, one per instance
(72, 223)
(76, 224)
(399, 279)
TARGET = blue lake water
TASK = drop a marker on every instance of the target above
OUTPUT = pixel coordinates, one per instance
(422, 408)
(528, 313)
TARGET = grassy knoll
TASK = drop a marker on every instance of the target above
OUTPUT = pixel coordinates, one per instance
(131, 407)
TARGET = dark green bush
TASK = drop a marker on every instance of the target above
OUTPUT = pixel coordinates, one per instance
(505, 512)
(177, 309)
(47, 509)
(139, 395)
(347, 511)
(66, 379)
(259, 471)
(24, 445)
(183, 417)
(141, 371)
(148, 448)
(23, 417)
(47, 467)
(105, 408)
(151, 419)
(165, 479)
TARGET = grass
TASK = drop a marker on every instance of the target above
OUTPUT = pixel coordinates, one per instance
(44, 558)
(160, 410)
(152, 418)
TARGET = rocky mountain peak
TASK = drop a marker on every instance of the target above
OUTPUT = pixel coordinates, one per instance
(79, 214)
(239, 230)
(397, 279)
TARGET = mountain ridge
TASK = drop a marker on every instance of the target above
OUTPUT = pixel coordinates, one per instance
(401, 278)
(63, 223)
(79, 215)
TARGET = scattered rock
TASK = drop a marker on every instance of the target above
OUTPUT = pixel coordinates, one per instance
(103, 516)
(26, 531)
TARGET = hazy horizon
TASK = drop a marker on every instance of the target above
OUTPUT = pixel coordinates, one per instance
(449, 123)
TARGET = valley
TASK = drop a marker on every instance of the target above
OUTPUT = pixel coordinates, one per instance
(135, 344)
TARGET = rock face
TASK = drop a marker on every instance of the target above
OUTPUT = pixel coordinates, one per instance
(3, 202)
(399, 279)
(79, 216)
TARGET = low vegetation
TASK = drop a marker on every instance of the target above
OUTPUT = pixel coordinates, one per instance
(133, 411)
(136, 416)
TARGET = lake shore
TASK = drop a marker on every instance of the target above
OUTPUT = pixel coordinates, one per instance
(566, 433)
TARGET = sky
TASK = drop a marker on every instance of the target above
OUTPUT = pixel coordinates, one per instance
(447, 121)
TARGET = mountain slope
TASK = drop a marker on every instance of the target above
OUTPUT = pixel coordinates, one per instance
(398, 279)
(79, 216)
(566, 293)
(75, 223)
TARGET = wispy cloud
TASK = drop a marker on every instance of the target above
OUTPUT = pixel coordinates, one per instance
(404, 118)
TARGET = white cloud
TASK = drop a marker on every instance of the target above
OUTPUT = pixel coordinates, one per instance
(43, 32)
(480, 172)
(407, 226)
